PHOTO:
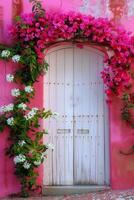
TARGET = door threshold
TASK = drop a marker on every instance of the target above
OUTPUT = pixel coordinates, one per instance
(69, 190)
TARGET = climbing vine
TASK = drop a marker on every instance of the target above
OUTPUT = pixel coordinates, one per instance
(31, 35)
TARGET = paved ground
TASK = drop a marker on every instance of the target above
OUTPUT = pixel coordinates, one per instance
(109, 195)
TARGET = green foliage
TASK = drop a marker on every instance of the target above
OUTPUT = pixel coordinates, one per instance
(26, 147)
(2, 123)
(26, 139)
(128, 106)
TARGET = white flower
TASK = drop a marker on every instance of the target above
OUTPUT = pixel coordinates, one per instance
(26, 165)
(7, 108)
(2, 109)
(19, 159)
(44, 155)
(28, 89)
(22, 106)
(5, 53)
(37, 162)
(35, 110)
(21, 142)
(15, 92)
(16, 58)
(31, 114)
(10, 121)
(9, 77)
(50, 146)
(26, 117)
(46, 131)
(55, 115)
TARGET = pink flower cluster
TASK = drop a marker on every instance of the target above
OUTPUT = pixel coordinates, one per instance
(42, 32)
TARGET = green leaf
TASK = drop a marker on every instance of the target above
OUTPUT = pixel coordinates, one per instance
(17, 18)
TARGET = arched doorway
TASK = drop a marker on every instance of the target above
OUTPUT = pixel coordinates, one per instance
(73, 88)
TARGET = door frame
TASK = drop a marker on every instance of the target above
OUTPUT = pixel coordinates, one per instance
(101, 51)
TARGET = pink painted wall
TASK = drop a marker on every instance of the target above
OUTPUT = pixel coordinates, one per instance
(8, 182)
(121, 137)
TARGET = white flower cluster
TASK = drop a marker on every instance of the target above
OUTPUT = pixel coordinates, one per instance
(7, 108)
(15, 92)
(37, 162)
(22, 159)
(31, 114)
(26, 165)
(50, 146)
(29, 89)
(19, 159)
(55, 115)
(10, 121)
(22, 106)
(16, 58)
(5, 53)
(21, 143)
(9, 77)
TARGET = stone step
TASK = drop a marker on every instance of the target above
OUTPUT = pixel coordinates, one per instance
(69, 190)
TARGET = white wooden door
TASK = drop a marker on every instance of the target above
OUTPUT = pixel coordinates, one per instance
(74, 89)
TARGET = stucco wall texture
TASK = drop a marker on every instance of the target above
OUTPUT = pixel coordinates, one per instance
(121, 136)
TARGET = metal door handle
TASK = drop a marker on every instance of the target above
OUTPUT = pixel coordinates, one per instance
(83, 131)
(63, 131)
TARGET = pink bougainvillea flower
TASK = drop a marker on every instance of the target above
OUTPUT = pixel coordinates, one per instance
(45, 31)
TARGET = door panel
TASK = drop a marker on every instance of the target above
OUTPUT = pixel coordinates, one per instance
(60, 95)
(74, 89)
(88, 111)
